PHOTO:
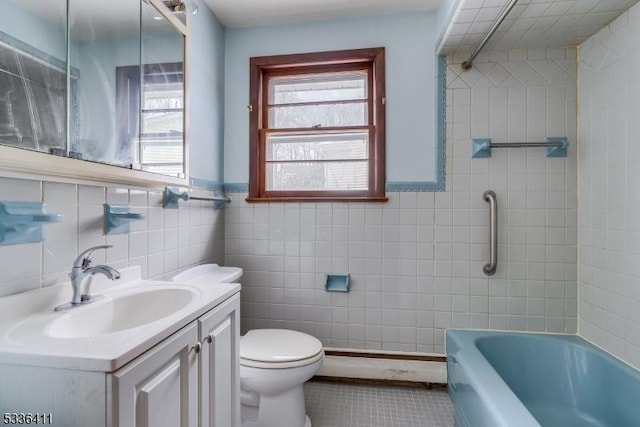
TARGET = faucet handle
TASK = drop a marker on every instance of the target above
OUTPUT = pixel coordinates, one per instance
(84, 259)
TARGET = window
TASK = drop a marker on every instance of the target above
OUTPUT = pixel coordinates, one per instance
(152, 136)
(317, 126)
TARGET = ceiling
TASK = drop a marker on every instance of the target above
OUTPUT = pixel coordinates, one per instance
(247, 13)
(530, 24)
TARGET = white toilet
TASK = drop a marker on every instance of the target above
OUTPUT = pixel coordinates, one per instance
(274, 363)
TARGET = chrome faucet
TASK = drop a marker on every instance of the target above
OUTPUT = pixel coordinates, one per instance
(80, 274)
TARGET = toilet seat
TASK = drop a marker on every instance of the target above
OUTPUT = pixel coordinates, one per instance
(279, 348)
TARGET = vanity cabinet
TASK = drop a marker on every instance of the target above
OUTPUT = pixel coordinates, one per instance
(219, 374)
(189, 379)
(159, 388)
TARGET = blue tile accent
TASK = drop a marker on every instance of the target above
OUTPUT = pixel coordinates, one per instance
(418, 186)
(441, 137)
(236, 187)
(557, 151)
(205, 184)
(480, 148)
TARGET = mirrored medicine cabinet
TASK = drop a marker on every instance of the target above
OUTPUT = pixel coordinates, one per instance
(94, 90)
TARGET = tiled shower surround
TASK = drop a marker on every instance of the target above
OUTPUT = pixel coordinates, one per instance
(610, 188)
(416, 260)
(163, 243)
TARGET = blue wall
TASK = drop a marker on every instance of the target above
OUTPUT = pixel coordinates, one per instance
(410, 66)
(206, 84)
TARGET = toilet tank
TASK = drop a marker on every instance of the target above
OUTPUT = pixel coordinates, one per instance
(209, 273)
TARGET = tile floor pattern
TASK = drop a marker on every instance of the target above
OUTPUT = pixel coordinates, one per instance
(346, 405)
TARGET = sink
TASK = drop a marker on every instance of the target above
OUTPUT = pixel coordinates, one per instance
(133, 315)
(120, 312)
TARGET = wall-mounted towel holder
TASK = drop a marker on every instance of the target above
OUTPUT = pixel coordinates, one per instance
(21, 222)
(555, 146)
(172, 195)
(118, 217)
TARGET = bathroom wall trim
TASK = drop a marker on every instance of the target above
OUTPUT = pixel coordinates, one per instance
(381, 366)
(383, 355)
(236, 187)
(371, 381)
(206, 184)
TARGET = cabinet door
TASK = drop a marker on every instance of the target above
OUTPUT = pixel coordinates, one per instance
(159, 388)
(220, 365)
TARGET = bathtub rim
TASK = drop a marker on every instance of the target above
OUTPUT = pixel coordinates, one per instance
(497, 397)
(467, 338)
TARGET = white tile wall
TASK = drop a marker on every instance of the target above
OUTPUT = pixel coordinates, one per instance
(416, 261)
(164, 243)
(609, 184)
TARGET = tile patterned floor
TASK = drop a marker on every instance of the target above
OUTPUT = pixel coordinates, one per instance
(346, 405)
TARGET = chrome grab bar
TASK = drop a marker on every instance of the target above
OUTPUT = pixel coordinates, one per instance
(490, 197)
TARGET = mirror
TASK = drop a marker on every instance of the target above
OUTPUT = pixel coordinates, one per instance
(160, 146)
(120, 98)
(33, 78)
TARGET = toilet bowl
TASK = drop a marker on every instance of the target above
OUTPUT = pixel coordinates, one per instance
(274, 363)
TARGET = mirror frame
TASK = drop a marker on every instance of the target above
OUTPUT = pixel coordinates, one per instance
(27, 164)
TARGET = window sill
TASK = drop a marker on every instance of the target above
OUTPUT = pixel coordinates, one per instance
(315, 199)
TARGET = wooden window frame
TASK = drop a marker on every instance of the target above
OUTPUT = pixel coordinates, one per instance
(266, 66)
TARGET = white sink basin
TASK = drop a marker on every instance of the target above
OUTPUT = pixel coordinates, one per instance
(119, 313)
(133, 316)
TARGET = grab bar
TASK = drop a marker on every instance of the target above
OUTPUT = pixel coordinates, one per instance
(556, 146)
(490, 268)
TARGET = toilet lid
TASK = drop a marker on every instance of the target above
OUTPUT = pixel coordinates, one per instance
(208, 273)
(278, 345)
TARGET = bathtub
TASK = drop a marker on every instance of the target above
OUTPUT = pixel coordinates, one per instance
(504, 379)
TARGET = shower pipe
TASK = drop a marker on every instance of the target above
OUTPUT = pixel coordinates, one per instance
(490, 268)
(466, 65)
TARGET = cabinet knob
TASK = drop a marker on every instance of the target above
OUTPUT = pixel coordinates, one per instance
(196, 347)
(209, 338)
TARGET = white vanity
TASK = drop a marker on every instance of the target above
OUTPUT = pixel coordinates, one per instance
(150, 353)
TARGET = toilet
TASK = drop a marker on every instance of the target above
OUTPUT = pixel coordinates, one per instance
(274, 363)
